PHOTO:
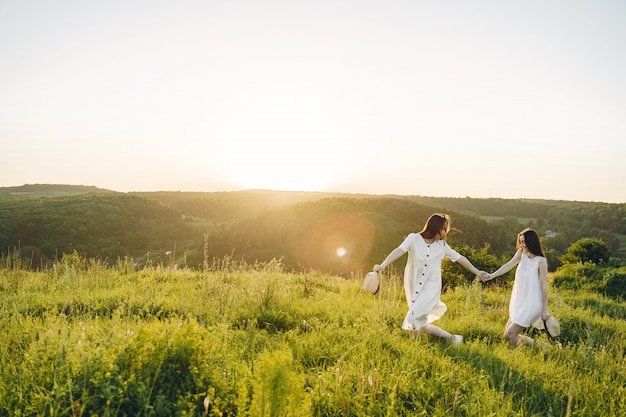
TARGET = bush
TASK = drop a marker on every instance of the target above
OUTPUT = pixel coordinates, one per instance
(616, 283)
(587, 250)
(577, 276)
(606, 280)
(455, 275)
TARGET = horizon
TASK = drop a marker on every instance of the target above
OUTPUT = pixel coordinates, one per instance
(523, 100)
(297, 191)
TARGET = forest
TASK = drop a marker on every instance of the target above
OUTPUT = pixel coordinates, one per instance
(328, 232)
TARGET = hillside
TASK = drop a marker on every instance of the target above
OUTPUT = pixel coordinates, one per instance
(304, 229)
(51, 190)
(342, 235)
(237, 340)
(103, 225)
(228, 206)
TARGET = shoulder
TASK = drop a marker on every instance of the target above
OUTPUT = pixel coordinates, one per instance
(410, 240)
(449, 252)
(412, 236)
(417, 238)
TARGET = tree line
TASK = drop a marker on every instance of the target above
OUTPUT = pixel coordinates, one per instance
(96, 226)
(335, 233)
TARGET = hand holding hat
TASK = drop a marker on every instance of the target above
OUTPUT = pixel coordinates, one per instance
(550, 325)
(371, 283)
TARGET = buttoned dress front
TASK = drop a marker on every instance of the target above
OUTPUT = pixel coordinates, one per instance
(422, 279)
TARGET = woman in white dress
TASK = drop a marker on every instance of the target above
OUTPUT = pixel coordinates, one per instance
(529, 299)
(422, 275)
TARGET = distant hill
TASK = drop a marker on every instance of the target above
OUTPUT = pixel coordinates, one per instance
(96, 225)
(231, 206)
(51, 190)
(46, 221)
(341, 235)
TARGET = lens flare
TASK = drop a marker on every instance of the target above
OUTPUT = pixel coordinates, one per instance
(338, 243)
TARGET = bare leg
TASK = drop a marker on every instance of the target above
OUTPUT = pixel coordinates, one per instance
(506, 330)
(525, 340)
(512, 334)
(435, 331)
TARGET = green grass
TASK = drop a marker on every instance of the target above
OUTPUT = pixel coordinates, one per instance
(83, 339)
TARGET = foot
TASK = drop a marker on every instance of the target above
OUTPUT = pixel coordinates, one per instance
(456, 339)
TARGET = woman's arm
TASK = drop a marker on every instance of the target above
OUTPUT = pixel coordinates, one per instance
(507, 266)
(543, 283)
(464, 262)
(395, 254)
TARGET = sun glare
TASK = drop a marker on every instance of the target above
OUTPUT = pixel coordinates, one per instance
(281, 144)
(340, 242)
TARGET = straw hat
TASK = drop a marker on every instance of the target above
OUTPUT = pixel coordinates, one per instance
(372, 283)
(552, 326)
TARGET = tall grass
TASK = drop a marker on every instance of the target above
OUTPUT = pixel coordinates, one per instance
(236, 339)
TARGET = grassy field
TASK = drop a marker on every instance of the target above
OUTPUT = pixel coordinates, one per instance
(252, 340)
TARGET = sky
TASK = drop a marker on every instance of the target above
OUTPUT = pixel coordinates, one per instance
(523, 99)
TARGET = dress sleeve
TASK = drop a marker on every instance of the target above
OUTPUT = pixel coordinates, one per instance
(407, 243)
(451, 253)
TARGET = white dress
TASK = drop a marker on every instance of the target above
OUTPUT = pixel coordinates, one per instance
(525, 306)
(422, 279)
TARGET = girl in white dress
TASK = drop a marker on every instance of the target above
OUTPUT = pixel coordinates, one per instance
(422, 275)
(529, 299)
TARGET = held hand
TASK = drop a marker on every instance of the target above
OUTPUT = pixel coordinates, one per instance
(485, 276)
(480, 274)
(545, 315)
(377, 268)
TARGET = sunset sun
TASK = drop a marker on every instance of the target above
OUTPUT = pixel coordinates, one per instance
(281, 144)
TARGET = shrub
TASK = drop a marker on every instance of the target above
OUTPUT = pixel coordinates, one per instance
(587, 250)
(616, 283)
(455, 275)
(576, 276)
(588, 276)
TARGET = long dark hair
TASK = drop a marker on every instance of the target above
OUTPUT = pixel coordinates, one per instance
(533, 244)
(435, 223)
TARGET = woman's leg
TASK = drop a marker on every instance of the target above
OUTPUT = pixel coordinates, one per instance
(506, 330)
(435, 331)
(512, 334)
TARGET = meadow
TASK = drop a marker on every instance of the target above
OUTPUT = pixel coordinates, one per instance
(85, 339)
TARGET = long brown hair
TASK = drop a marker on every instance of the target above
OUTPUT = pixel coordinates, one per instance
(533, 244)
(435, 223)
